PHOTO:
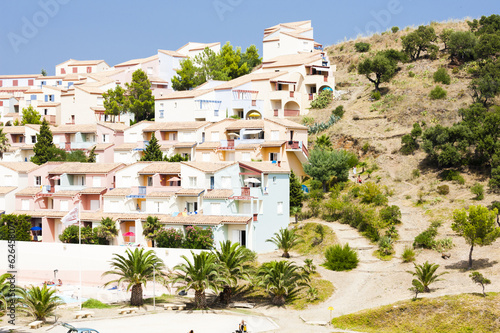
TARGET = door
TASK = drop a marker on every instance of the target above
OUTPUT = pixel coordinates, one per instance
(212, 182)
(94, 205)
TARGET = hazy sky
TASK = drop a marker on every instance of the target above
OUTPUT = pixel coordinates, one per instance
(36, 34)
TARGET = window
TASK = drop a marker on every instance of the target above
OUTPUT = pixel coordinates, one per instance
(25, 204)
(215, 208)
(63, 71)
(157, 206)
(150, 70)
(162, 113)
(175, 104)
(64, 205)
(274, 157)
(275, 135)
(225, 181)
(280, 208)
(105, 138)
(186, 155)
(173, 136)
(96, 181)
(193, 181)
(33, 97)
(21, 138)
(45, 111)
(245, 157)
(191, 207)
(59, 83)
(30, 82)
(89, 69)
(274, 180)
(99, 101)
(216, 113)
(43, 83)
(1, 102)
(215, 136)
(14, 83)
(150, 181)
(75, 70)
(33, 139)
(38, 180)
(206, 157)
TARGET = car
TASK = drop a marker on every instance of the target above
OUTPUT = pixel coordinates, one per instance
(73, 329)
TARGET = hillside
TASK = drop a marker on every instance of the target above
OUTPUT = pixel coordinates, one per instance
(379, 126)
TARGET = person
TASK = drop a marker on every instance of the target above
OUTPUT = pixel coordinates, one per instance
(354, 172)
(59, 282)
(359, 179)
(242, 328)
(191, 331)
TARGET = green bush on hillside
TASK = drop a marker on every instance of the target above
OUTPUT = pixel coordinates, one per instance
(340, 258)
(438, 93)
(442, 76)
(362, 47)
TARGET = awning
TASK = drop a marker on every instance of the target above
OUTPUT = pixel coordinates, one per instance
(233, 134)
(174, 179)
(253, 131)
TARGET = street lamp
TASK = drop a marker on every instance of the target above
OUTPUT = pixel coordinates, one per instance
(154, 284)
(55, 275)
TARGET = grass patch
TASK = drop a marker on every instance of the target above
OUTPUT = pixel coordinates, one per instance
(324, 288)
(311, 235)
(381, 256)
(93, 303)
(456, 313)
(160, 299)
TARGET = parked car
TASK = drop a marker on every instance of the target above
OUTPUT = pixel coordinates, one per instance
(73, 329)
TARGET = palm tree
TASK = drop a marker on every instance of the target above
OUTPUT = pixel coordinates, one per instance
(236, 259)
(151, 228)
(39, 302)
(323, 142)
(135, 270)
(282, 279)
(4, 143)
(285, 240)
(107, 229)
(203, 273)
(426, 274)
(4, 290)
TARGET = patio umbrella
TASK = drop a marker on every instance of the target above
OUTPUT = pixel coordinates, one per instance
(36, 228)
(252, 180)
(128, 234)
(174, 179)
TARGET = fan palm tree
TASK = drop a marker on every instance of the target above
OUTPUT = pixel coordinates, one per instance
(203, 273)
(425, 275)
(236, 259)
(135, 269)
(39, 302)
(4, 290)
(4, 143)
(151, 228)
(282, 279)
(107, 229)
(323, 142)
(285, 240)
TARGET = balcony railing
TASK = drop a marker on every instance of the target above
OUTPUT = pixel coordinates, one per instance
(227, 145)
(292, 113)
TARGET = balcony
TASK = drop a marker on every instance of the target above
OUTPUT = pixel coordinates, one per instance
(81, 145)
(138, 192)
(227, 145)
(282, 95)
(69, 188)
(292, 113)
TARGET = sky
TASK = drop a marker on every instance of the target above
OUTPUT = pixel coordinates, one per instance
(36, 34)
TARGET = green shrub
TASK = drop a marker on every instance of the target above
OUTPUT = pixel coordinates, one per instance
(322, 99)
(169, 238)
(391, 215)
(365, 147)
(415, 173)
(442, 76)
(394, 29)
(426, 238)
(438, 93)
(453, 175)
(375, 95)
(362, 47)
(478, 191)
(371, 193)
(442, 245)
(392, 232)
(340, 258)
(198, 238)
(411, 74)
(443, 189)
(339, 111)
(20, 223)
(363, 218)
(408, 254)
(385, 246)
(351, 68)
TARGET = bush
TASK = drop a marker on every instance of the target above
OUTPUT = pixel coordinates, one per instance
(453, 175)
(20, 223)
(340, 258)
(394, 29)
(198, 238)
(366, 147)
(322, 99)
(442, 76)
(442, 245)
(385, 246)
(339, 111)
(375, 95)
(93, 303)
(411, 74)
(371, 193)
(169, 238)
(415, 173)
(362, 218)
(478, 190)
(362, 47)
(391, 215)
(438, 93)
(443, 189)
(426, 238)
(408, 254)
